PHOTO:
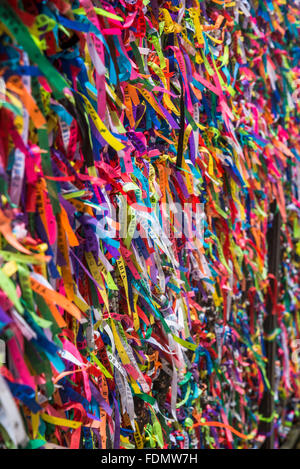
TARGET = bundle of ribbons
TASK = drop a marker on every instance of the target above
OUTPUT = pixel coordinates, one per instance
(142, 145)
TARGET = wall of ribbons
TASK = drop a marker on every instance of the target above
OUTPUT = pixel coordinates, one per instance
(142, 144)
